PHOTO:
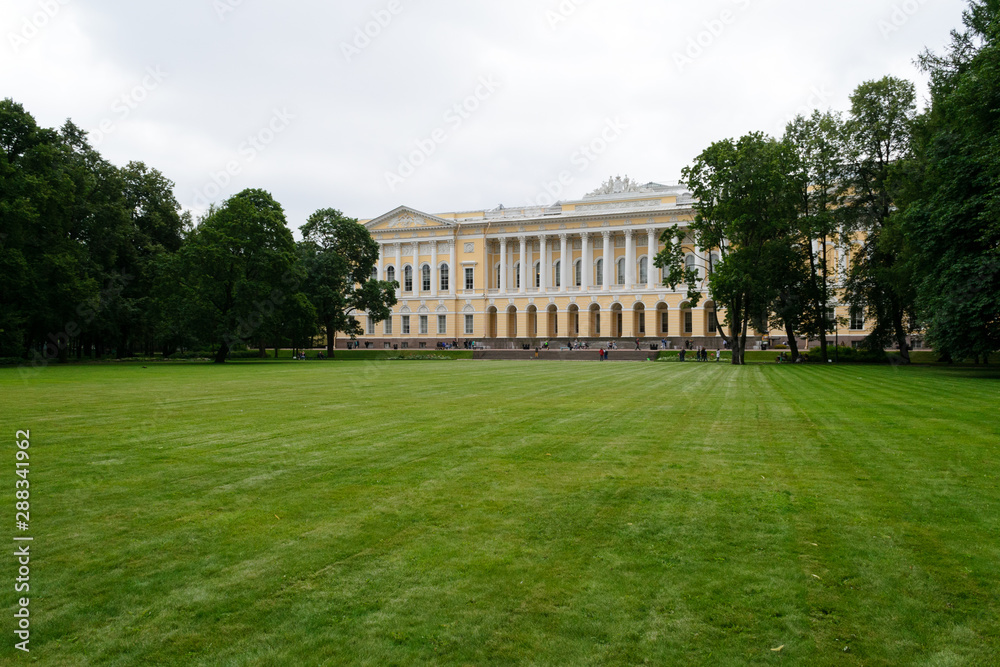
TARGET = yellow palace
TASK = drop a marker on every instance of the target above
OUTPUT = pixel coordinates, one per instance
(574, 271)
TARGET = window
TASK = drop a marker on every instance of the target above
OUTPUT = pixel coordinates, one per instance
(642, 323)
(425, 278)
(664, 322)
(713, 322)
(558, 278)
(713, 262)
(445, 277)
(390, 274)
(857, 319)
(442, 325)
(689, 263)
(470, 278)
(388, 326)
(578, 278)
(644, 270)
(423, 325)
(600, 273)
(831, 318)
(374, 273)
(370, 329)
(499, 286)
(408, 279)
(406, 325)
(538, 275)
(469, 330)
(688, 322)
(517, 275)
(621, 271)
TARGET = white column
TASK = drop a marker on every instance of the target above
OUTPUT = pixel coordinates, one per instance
(629, 258)
(503, 267)
(544, 248)
(399, 268)
(564, 262)
(654, 247)
(524, 264)
(452, 269)
(586, 262)
(608, 260)
(434, 269)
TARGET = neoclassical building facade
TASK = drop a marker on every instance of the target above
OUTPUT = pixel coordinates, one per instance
(576, 270)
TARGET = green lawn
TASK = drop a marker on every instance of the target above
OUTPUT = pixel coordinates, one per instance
(463, 512)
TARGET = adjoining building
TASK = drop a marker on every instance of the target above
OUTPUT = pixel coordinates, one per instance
(574, 271)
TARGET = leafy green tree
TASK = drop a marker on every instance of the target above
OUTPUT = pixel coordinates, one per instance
(340, 256)
(745, 204)
(818, 142)
(953, 220)
(878, 135)
(236, 269)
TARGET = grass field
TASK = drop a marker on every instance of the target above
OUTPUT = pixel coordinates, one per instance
(464, 512)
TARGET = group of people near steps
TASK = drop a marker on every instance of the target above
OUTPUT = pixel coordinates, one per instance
(701, 354)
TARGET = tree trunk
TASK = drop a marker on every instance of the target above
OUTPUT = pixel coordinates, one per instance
(897, 323)
(220, 356)
(793, 345)
(331, 340)
(261, 349)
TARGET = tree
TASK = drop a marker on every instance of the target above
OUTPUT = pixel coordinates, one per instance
(236, 270)
(878, 143)
(818, 143)
(745, 205)
(340, 256)
(952, 220)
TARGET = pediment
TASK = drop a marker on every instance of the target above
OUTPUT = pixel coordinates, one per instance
(406, 218)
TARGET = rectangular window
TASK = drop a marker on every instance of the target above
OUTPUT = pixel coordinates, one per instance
(426, 282)
(442, 325)
(445, 282)
(713, 323)
(469, 325)
(423, 325)
(642, 323)
(408, 280)
(664, 321)
(406, 325)
(370, 329)
(688, 322)
(470, 278)
(857, 319)
(388, 326)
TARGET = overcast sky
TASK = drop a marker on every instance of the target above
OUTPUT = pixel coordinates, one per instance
(442, 105)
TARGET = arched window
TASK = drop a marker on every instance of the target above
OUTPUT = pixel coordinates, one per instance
(558, 269)
(689, 263)
(578, 273)
(644, 270)
(390, 274)
(408, 279)
(517, 275)
(538, 275)
(621, 271)
(425, 278)
(713, 262)
(445, 277)
(600, 273)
